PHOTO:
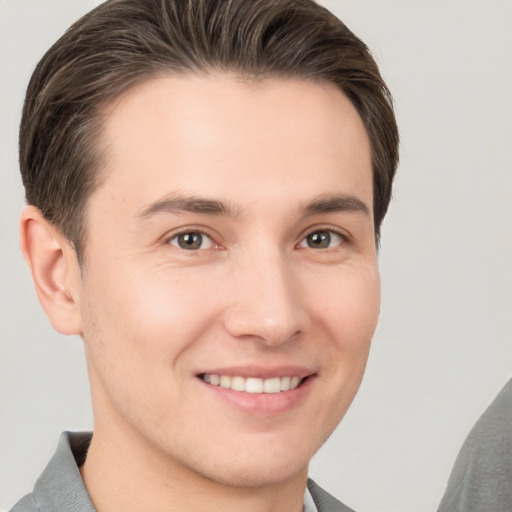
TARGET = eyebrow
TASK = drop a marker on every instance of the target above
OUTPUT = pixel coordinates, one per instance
(336, 203)
(179, 204)
(192, 204)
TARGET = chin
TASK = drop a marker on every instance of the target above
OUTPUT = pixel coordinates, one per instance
(255, 474)
(263, 464)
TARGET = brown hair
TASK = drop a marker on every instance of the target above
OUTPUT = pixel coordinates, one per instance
(124, 42)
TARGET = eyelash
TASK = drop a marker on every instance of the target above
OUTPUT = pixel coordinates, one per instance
(343, 238)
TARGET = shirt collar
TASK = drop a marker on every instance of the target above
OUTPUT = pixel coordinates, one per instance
(60, 486)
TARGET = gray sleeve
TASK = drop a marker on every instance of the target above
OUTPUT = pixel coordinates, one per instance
(481, 479)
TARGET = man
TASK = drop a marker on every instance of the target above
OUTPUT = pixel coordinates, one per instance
(206, 183)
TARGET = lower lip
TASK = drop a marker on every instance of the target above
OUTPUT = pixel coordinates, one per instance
(266, 404)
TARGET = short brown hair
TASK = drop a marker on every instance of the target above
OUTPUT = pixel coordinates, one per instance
(124, 42)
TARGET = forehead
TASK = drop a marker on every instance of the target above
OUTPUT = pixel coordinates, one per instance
(221, 136)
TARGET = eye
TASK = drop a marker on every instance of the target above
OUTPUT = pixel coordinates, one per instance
(322, 239)
(192, 241)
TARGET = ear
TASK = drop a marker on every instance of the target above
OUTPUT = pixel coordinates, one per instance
(55, 271)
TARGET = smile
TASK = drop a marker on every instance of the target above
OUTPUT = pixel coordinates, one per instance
(252, 384)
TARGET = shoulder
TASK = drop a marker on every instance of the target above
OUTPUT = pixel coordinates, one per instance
(481, 476)
(324, 501)
(26, 504)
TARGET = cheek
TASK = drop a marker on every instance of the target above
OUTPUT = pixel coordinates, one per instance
(171, 310)
(138, 326)
(350, 306)
(145, 306)
(348, 310)
(134, 331)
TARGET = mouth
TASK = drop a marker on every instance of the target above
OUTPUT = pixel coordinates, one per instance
(253, 385)
(260, 391)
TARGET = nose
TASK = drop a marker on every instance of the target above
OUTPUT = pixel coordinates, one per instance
(265, 301)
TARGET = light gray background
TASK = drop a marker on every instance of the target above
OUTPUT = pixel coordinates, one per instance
(444, 345)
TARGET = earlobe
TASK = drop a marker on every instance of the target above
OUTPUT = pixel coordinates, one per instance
(55, 271)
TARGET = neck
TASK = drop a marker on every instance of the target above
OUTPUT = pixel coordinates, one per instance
(124, 473)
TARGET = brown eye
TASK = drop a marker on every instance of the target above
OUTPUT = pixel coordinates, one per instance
(323, 239)
(192, 241)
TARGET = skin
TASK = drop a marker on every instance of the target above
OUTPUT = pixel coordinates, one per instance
(255, 297)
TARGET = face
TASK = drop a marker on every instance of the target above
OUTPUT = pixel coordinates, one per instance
(230, 289)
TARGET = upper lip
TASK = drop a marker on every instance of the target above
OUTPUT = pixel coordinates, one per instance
(260, 372)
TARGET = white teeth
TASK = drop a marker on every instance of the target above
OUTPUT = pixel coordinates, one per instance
(238, 383)
(252, 384)
(272, 385)
(225, 381)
